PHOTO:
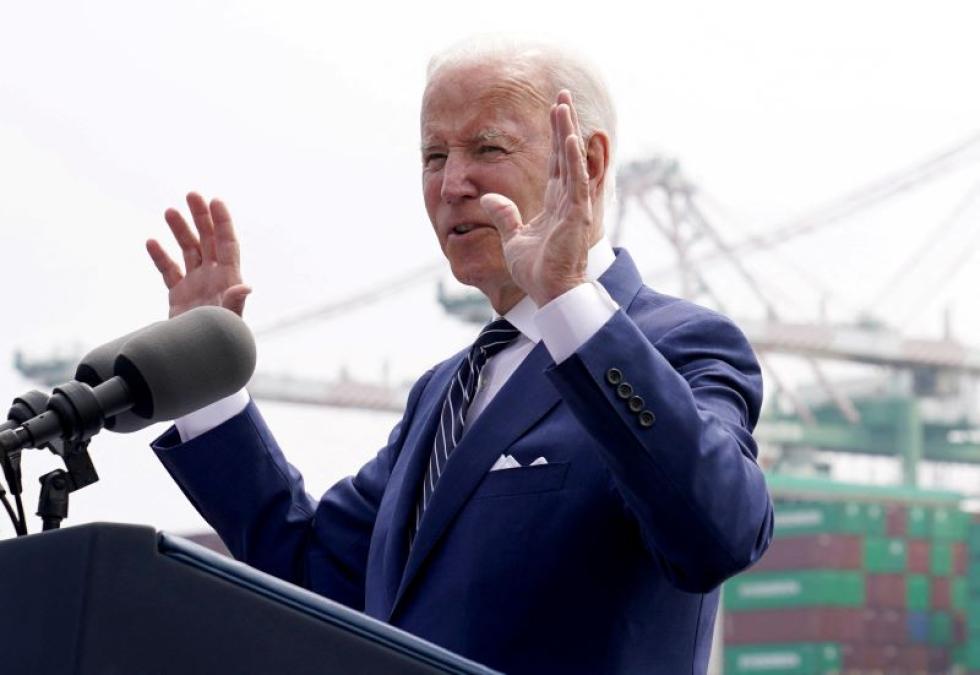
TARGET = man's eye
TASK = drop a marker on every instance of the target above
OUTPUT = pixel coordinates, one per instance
(488, 149)
(433, 158)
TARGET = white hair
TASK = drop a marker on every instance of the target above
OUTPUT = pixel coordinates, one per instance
(560, 67)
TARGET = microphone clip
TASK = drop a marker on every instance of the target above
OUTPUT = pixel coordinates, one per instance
(52, 502)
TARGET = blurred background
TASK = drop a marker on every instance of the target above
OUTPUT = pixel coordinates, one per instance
(810, 169)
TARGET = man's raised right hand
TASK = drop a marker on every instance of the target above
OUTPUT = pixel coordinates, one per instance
(212, 261)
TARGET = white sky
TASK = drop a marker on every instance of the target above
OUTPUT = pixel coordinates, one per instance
(304, 118)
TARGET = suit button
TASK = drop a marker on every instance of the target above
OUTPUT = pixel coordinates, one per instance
(624, 390)
(635, 403)
(647, 419)
(614, 376)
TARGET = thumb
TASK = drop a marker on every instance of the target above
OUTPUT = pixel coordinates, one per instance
(234, 298)
(503, 214)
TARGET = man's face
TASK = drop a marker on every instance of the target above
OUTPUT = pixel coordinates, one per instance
(485, 128)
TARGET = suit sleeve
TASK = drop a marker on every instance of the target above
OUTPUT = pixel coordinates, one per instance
(238, 479)
(677, 439)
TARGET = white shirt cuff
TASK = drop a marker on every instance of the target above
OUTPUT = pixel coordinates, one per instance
(207, 418)
(567, 322)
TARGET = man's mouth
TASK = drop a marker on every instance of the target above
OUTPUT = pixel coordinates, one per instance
(465, 228)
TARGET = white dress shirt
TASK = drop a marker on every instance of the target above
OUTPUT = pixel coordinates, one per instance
(565, 324)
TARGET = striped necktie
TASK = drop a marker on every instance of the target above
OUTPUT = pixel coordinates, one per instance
(494, 337)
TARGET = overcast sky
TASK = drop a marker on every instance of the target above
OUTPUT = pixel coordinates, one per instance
(304, 118)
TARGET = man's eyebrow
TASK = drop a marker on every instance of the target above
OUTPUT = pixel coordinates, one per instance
(491, 135)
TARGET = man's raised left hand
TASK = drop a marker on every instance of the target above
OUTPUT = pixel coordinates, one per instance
(547, 256)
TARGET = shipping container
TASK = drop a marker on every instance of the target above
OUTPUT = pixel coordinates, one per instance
(886, 591)
(949, 523)
(941, 558)
(809, 624)
(917, 592)
(808, 588)
(813, 551)
(919, 555)
(788, 659)
(882, 554)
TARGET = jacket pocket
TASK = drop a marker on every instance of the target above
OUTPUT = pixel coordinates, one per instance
(525, 480)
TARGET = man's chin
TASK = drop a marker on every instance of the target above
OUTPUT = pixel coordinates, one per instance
(479, 274)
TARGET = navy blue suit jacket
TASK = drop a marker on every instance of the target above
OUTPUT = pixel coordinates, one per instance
(605, 560)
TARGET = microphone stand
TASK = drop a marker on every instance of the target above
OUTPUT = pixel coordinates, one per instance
(70, 418)
(52, 502)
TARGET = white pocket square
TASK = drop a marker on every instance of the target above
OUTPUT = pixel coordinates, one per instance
(508, 462)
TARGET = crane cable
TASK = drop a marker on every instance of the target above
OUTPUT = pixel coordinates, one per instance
(929, 244)
(851, 203)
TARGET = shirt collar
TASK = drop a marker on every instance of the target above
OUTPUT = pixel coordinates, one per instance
(521, 315)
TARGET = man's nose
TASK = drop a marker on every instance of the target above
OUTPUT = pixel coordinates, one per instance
(457, 179)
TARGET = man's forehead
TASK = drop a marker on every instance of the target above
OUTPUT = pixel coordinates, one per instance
(482, 100)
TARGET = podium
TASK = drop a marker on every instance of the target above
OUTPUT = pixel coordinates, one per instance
(109, 599)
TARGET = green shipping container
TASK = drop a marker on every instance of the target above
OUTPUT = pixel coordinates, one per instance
(971, 654)
(959, 593)
(973, 540)
(786, 659)
(941, 558)
(807, 588)
(919, 520)
(973, 623)
(801, 518)
(874, 519)
(950, 523)
(917, 592)
(973, 578)
(885, 555)
(940, 628)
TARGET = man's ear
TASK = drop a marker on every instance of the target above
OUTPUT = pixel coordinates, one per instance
(597, 151)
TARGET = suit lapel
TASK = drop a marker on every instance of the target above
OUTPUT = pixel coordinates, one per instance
(525, 398)
(398, 505)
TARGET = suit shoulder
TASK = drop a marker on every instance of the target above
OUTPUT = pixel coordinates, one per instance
(660, 315)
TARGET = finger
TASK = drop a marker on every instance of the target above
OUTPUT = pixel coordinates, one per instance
(169, 270)
(565, 96)
(226, 248)
(564, 129)
(577, 184)
(234, 298)
(503, 214)
(189, 245)
(555, 143)
(202, 221)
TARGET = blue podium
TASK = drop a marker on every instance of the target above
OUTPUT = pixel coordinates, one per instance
(108, 599)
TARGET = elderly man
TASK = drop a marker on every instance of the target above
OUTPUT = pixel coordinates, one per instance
(565, 495)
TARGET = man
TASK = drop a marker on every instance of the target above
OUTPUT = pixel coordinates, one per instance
(624, 415)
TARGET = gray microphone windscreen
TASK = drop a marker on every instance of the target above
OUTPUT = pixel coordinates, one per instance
(96, 367)
(181, 365)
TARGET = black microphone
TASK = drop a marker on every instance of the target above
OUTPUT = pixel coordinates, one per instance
(24, 407)
(97, 366)
(161, 372)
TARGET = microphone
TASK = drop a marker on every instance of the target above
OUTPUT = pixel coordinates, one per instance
(164, 371)
(97, 366)
(24, 408)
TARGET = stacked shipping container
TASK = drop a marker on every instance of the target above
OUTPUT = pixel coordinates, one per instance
(855, 587)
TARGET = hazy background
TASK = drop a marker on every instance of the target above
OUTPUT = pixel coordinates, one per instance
(304, 118)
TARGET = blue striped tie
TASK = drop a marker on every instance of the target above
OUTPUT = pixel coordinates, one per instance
(494, 337)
